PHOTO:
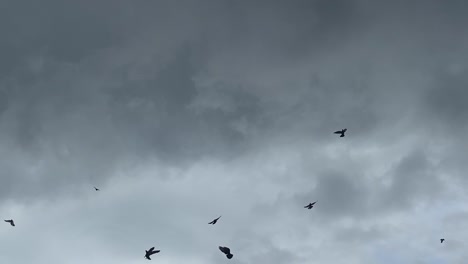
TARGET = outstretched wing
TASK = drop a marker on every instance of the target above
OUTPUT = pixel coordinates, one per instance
(214, 221)
(151, 249)
(338, 132)
(154, 252)
(225, 250)
(222, 249)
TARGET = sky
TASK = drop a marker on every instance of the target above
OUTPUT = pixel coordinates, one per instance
(183, 111)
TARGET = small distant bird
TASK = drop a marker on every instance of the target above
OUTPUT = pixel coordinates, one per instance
(342, 131)
(214, 221)
(150, 252)
(96, 189)
(12, 223)
(442, 240)
(310, 205)
(226, 251)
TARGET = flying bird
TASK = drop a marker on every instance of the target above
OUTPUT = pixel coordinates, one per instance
(310, 205)
(96, 189)
(442, 240)
(214, 221)
(342, 131)
(12, 223)
(150, 252)
(226, 251)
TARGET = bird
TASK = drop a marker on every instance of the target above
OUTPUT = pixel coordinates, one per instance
(226, 251)
(442, 240)
(342, 131)
(150, 252)
(214, 221)
(310, 205)
(12, 223)
(96, 189)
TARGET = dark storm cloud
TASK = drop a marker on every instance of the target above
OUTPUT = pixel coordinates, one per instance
(64, 30)
(338, 194)
(445, 99)
(233, 104)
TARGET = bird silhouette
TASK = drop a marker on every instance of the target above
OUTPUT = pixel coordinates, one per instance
(12, 223)
(214, 221)
(342, 131)
(96, 189)
(310, 205)
(150, 252)
(226, 251)
(442, 240)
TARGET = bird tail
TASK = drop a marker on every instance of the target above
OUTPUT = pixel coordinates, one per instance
(229, 256)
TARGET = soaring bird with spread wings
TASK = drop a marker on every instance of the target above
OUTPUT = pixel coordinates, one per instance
(342, 131)
(150, 252)
(214, 221)
(310, 205)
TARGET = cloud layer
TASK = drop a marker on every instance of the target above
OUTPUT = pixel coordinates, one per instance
(181, 112)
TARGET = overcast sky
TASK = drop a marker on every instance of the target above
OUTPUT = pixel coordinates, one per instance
(184, 110)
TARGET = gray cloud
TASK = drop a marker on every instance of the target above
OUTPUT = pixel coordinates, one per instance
(183, 112)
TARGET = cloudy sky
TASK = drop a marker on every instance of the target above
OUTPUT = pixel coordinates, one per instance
(184, 110)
